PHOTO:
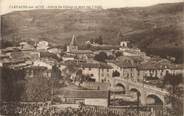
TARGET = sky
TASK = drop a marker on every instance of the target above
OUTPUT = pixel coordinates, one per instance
(11, 5)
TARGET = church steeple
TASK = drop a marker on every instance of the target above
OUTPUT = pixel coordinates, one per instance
(72, 46)
(73, 42)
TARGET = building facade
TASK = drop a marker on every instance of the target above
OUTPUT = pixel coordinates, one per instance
(99, 72)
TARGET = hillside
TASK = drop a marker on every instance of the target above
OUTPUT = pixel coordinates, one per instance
(159, 26)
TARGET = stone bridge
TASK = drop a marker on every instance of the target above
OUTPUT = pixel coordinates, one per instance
(145, 91)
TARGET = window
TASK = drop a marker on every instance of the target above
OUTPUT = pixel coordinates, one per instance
(138, 73)
(102, 74)
(131, 74)
(127, 75)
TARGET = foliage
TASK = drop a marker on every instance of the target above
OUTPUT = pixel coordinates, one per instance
(65, 47)
(176, 93)
(98, 40)
(38, 89)
(55, 73)
(15, 87)
(118, 54)
(173, 80)
(102, 56)
(12, 84)
(174, 105)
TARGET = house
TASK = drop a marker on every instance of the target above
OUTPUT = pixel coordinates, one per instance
(42, 45)
(10, 49)
(127, 51)
(37, 72)
(124, 44)
(101, 72)
(43, 63)
(10, 62)
(158, 69)
(55, 50)
(108, 52)
(17, 55)
(24, 46)
(48, 55)
(68, 57)
(176, 69)
(126, 68)
(32, 55)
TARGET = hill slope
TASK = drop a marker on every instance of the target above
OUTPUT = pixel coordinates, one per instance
(159, 26)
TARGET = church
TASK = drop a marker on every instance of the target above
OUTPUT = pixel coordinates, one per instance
(72, 49)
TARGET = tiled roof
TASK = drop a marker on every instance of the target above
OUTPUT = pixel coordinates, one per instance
(82, 52)
(4, 56)
(156, 63)
(105, 47)
(37, 68)
(88, 65)
(68, 56)
(14, 61)
(10, 49)
(176, 66)
(70, 62)
(48, 55)
(133, 58)
(159, 65)
(21, 65)
(152, 65)
(125, 64)
(96, 65)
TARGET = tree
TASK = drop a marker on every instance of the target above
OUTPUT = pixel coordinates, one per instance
(173, 80)
(111, 57)
(65, 47)
(38, 89)
(91, 40)
(99, 40)
(102, 56)
(174, 99)
(12, 84)
(55, 73)
(118, 54)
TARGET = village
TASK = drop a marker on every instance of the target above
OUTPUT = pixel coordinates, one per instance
(110, 76)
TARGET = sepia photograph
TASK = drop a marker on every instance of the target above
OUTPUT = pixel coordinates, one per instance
(91, 57)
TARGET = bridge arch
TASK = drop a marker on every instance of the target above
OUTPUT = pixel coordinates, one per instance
(135, 90)
(121, 87)
(153, 99)
(136, 93)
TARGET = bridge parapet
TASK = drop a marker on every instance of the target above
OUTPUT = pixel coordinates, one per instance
(142, 85)
(144, 89)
